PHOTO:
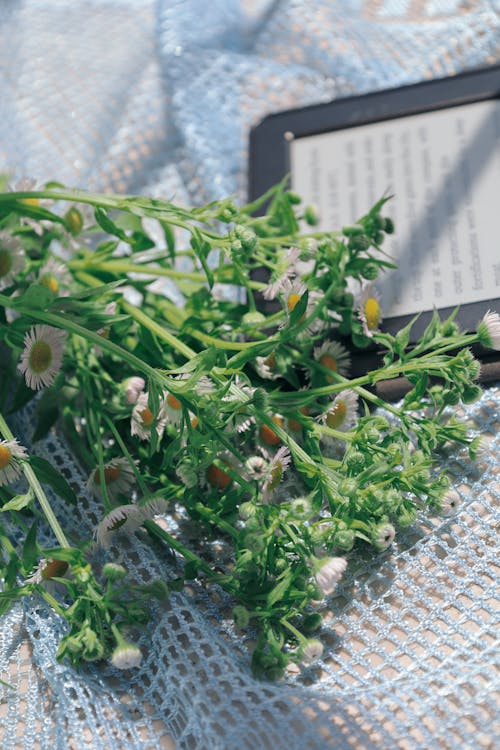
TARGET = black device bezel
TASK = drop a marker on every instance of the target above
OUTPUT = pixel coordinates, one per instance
(269, 157)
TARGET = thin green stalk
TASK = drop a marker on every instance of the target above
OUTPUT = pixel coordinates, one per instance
(223, 581)
(37, 489)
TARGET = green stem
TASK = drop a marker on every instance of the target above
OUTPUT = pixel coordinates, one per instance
(37, 489)
(223, 581)
(157, 329)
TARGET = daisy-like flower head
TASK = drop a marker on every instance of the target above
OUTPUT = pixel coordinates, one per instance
(134, 386)
(276, 470)
(41, 359)
(286, 270)
(383, 536)
(342, 413)
(329, 573)
(143, 419)
(10, 454)
(172, 408)
(125, 518)
(449, 504)
(126, 656)
(266, 367)
(118, 477)
(291, 293)
(56, 277)
(187, 474)
(156, 507)
(12, 259)
(369, 311)
(333, 356)
(488, 331)
(46, 571)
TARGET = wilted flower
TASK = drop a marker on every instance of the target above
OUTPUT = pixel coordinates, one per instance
(329, 573)
(342, 414)
(118, 478)
(125, 518)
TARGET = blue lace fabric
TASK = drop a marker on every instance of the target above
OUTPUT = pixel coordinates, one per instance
(157, 98)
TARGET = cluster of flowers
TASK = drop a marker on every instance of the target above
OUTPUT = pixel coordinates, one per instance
(246, 421)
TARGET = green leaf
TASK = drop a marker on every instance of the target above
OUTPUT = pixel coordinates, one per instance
(18, 502)
(47, 474)
(280, 589)
(31, 549)
(108, 225)
(36, 297)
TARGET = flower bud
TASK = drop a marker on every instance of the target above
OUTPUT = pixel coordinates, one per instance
(114, 571)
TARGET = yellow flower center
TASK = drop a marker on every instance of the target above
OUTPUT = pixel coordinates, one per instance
(54, 569)
(5, 456)
(5, 262)
(270, 361)
(372, 313)
(147, 417)
(174, 402)
(111, 474)
(267, 435)
(292, 301)
(336, 415)
(330, 363)
(50, 282)
(116, 525)
(217, 477)
(40, 357)
(30, 201)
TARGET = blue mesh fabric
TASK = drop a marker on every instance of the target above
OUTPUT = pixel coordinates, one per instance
(158, 97)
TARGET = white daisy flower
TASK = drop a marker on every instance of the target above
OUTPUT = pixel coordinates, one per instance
(450, 503)
(369, 311)
(266, 367)
(291, 293)
(257, 467)
(12, 259)
(127, 518)
(488, 331)
(329, 574)
(143, 419)
(383, 536)
(126, 656)
(56, 277)
(10, 467)
(134, 386)
(156, 507)
(285, 271)
(172, 408)
(46, 571)
(118, 478)
(276, 470)
(342, 413)
(333, 356)
(41, 359)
